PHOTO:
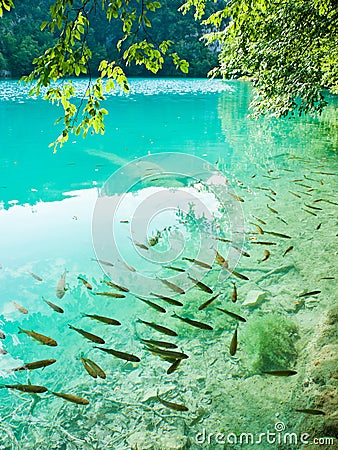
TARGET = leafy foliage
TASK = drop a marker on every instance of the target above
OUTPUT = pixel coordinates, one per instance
(287, 47)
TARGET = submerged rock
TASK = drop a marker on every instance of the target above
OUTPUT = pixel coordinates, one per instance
(254, 298)
(320, 389)
(144, 440)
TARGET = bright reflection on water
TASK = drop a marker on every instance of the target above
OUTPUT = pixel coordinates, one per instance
(46, 210)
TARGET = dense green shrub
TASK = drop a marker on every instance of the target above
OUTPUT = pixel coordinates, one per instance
(270, 342)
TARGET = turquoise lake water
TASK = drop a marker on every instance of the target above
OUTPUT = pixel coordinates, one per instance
(183, 164)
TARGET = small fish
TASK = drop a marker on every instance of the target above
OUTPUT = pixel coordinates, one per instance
(169, 300)
(260, 220)
(259, 228)
(297, 181)
(174, 366)
(104, 263)
(106, 320)
(233, 315)
(124, 221)
(198, 263)
(271, 209)
(241, 251)
(233, 344)
(325, 173)
(72, 398)
(140, 245)
(304, 185)
(201, 285)
(280, 373)
(30, 388)
(271, 178)
(110, 294)
(234, 294)
(281, 235)
(87, 335)
(310, 179)
(208, 302)
(326, 278)
(172, 405)
(273, 192)
(85, 283)
(271, 198)
(282, 220)
(127, 266)
(2, 335)
(220, 260)
(222, 239)
(262, 188)
(116, 286)
(152, 304)
(172, 286)
(169, 354)
(296, 195)
(236, 197)
(99, 372)
(121, 355)
(53, 306)
(159, 328)
(36, 365)
(35, 276)
(89, 368)
(61, 286)
(194, 323)
(309, 212)
(288, 250)
(314, 412)
(318, 226)
(263, 243)
(313, 207)
(324, 200)
(20, 308)
(155, 343)
(238, 275)
(177, 269)
(307, 294)
(45, 340)
(266, 255)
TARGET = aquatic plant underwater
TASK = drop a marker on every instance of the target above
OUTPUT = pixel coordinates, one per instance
(204, 307)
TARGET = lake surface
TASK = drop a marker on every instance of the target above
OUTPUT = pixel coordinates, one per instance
(181, 172)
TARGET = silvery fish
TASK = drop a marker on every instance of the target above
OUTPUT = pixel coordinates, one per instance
(61, 286)
(233, 344)
(172, 405)
(87, 335)
(72, 398)
(30, 388)
(45, 340)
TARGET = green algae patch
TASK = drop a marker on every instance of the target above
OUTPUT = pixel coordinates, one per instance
(270, 342)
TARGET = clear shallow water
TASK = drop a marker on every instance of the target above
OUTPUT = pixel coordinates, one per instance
(48, 201)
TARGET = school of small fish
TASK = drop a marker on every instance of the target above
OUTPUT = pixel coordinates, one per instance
(166, 350)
